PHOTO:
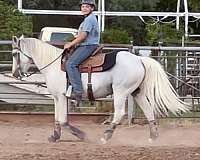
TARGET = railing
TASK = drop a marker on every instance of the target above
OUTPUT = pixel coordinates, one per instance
(30, 98)
(180, 63)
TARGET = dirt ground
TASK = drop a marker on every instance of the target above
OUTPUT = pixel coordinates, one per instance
(28, 141)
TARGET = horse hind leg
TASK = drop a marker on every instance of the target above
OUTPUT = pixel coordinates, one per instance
(143, 102)
(119, 112)
(153, 131)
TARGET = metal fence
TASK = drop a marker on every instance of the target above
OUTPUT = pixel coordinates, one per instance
(182, 65)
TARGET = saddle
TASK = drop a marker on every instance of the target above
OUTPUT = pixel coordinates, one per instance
(92, 64)
(97, 62)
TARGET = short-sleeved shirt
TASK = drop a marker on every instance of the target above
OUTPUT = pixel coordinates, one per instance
(91, 26)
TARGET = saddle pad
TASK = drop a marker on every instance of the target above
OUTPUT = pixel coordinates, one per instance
(93, 61)
(110, 60)
(106, 62)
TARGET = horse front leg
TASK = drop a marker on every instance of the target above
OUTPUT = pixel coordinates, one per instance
(57, 127)
(70, 128)
(56, 134)
(65, 126)
(74, 131)
(61, 121)
(119, 112)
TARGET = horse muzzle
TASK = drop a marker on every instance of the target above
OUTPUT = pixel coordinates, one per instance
(17, 74)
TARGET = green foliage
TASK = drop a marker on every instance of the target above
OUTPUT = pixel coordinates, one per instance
(115, 36)
(52, 4)
(194, 5)
(166, 6)
(170, 6)
(163, 32)
(130, 5)
(13, 22)
(133, 25)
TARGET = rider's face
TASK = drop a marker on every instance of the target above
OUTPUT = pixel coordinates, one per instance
(86, 9)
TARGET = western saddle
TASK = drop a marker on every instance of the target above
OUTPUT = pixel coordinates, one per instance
(92, 64)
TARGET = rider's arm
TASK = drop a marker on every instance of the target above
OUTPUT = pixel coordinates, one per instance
(81, 37)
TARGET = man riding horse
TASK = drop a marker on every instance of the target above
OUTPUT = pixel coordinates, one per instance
(86, 42)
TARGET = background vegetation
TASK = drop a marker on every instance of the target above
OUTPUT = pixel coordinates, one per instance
(13, 22)
(115, 36)
(142, 33)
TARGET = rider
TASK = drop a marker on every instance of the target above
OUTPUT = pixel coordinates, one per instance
(86, 42)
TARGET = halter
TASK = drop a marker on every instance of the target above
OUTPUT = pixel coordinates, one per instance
(18, 69)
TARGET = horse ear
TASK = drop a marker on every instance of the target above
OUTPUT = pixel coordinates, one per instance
(15, 41)
(21, 37)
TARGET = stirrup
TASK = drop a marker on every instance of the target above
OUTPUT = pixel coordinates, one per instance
(69, 91)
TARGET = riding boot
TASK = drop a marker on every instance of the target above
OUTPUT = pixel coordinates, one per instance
(77, 98)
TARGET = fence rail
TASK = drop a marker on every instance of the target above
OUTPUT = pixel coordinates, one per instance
(161, 48)
(182, 64)
(7, 42)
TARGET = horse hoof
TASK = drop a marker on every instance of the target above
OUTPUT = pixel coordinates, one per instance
(79, 135)
(154, 136)
(152, 139)
(108, 134)
(76, 132)
(103, 140)
(52, 139)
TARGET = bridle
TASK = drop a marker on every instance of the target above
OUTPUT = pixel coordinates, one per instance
(17, 55)
(19, 70)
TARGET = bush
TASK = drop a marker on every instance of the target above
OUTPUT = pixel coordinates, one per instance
(13, 22)
(166, 33)
(115, 36)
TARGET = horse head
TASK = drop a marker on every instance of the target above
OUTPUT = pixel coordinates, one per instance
(21, 59)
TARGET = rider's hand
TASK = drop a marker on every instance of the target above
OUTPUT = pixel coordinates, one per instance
(67, 46)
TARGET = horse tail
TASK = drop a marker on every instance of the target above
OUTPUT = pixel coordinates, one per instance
(157, 91)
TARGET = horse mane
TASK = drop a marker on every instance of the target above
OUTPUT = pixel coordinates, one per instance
(44, 52)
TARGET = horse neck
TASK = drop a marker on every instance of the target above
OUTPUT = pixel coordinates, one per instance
(43, 53)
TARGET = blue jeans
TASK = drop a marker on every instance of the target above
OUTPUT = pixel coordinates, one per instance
(79, 55)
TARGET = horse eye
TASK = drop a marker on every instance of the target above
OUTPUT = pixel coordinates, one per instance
(15, 53)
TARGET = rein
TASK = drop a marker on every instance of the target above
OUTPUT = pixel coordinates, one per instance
(45, 66)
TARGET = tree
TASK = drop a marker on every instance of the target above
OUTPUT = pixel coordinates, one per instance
(13, 22)
(164, 32)
(10, 2)
(109, 36)
(166, 6)
(170, 6)
(40, 21)
(194, 6)
(133, 25)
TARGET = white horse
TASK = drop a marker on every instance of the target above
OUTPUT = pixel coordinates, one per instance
(156, 96)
